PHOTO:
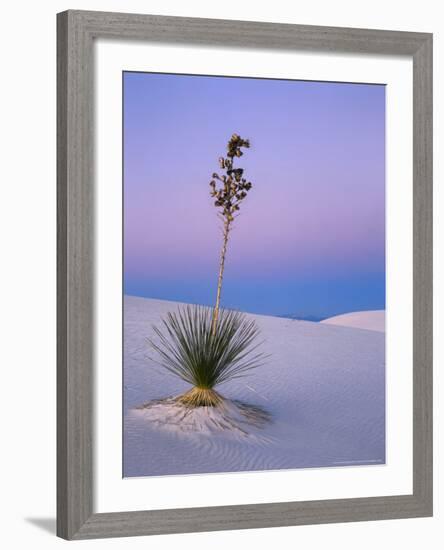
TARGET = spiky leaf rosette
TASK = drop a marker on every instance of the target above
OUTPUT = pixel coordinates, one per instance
(188, 347)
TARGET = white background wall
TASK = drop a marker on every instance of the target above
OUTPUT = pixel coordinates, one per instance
(27, 230)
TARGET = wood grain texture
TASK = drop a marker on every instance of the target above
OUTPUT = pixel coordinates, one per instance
(222, 518)
(76, 32)
(248, 33)
(74, 276)
(423, 273)
(62, 294)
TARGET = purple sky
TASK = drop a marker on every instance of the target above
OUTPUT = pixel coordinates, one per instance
(310, 238)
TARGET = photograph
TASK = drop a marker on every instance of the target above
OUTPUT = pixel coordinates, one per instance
(254, 274)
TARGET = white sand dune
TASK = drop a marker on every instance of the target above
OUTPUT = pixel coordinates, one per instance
(323, 386)
(232, 419)
(368, 320)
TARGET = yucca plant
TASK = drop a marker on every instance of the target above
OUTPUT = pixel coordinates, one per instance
(208, 346)
(189, 348)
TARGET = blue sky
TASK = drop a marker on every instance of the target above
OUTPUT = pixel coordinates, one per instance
(310, 240)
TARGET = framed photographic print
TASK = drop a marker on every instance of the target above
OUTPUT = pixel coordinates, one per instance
(244, 274)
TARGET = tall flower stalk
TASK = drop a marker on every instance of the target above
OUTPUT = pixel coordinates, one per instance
(206, 346)
(229, 190)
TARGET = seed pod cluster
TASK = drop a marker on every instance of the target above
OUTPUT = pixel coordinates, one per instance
(230, 188)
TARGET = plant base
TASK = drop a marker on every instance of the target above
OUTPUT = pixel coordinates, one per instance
(200, 397)
(205, 412)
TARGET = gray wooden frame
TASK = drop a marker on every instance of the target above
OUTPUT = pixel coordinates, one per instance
(76, 32)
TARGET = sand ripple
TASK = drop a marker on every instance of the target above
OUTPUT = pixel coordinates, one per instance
(232, 418)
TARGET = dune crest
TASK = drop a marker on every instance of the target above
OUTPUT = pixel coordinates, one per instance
(367, 320)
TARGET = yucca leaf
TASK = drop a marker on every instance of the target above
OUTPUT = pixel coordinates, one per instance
(187, 346)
